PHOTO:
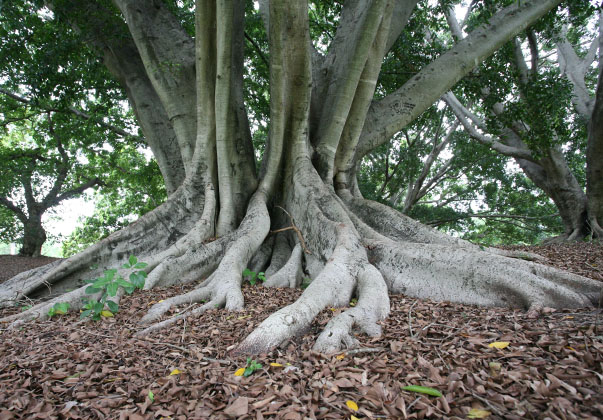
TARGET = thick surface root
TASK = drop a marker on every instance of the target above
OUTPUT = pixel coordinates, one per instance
(280, 255)
(333, 287)
(156, 230)
(291, 274)
(372, 307)
(223, 287)
(459, 275)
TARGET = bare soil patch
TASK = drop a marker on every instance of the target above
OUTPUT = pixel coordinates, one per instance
(64, 368)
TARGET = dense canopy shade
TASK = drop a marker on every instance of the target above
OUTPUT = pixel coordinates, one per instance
(302, 210)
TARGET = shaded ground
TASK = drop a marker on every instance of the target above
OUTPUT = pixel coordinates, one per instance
(552, 368)
(11, 265)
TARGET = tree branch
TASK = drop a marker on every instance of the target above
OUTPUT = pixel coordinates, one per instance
(258, 49)
(462, 113)
(12, 207)
(392, 113)
(76, 112)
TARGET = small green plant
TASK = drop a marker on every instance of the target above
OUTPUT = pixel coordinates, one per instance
(253, 277)
(108, 286)
(305, 283)
(251, 367)
(25, 308)
(59, 308)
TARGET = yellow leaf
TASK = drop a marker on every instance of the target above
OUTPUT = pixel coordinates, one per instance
(571, 348)
(499, 344)
(175, 372)
(160, 301)
(340, 356)
(276, 364)
(244, 317)
(478, 413)
(107, 314)
(332, 309)
(354, 418)
(240, 372)
(351, 405)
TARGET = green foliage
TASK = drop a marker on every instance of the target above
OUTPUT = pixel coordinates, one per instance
(108, 285)
(251, 367)
(47, 152)
(59, 308)
(253, 277)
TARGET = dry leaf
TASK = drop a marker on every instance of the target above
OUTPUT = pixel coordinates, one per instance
(351, 405)
(239, 372)
(340, 356)
(354, 418)
(499, 344)
(276, 364)
(477, 413)
(238, 408)
(175, 372)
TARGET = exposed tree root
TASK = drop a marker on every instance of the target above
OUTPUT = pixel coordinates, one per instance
(333, 287)
(143, 237)
(399, 227)
(291, 274)
(223, 287)
(459, 275)
(280, 255)
(372, 307)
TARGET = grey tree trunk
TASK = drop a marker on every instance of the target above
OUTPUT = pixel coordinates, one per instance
(217, 222)
(34, 237)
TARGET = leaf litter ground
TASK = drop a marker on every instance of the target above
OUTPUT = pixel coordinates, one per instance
(552, 367)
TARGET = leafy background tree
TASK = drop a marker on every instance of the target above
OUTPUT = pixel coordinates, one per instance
(64, 123)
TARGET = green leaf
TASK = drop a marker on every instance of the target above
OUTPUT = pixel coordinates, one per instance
(151, 396)
(113, 307)
(140, 265)
(101, 283)
(422, 390)
(97, 307)
(86, 313)
(112, 289)
(90, 290)
(123, 282)
(110, 274)
(137, 280)
(247, 272)
(132, 260)
(61, 308)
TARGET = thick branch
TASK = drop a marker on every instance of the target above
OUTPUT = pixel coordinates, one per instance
(391, 114)
(12, 207)
(463, 115)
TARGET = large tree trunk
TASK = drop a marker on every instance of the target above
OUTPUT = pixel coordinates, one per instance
(594, 161)
(34, 237)
(218, 221)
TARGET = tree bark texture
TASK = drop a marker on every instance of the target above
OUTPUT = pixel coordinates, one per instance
(218, 221)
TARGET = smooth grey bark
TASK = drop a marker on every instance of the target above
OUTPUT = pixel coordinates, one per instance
(594, 162)
(337, 231)
(104, 32)
(389, 115)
